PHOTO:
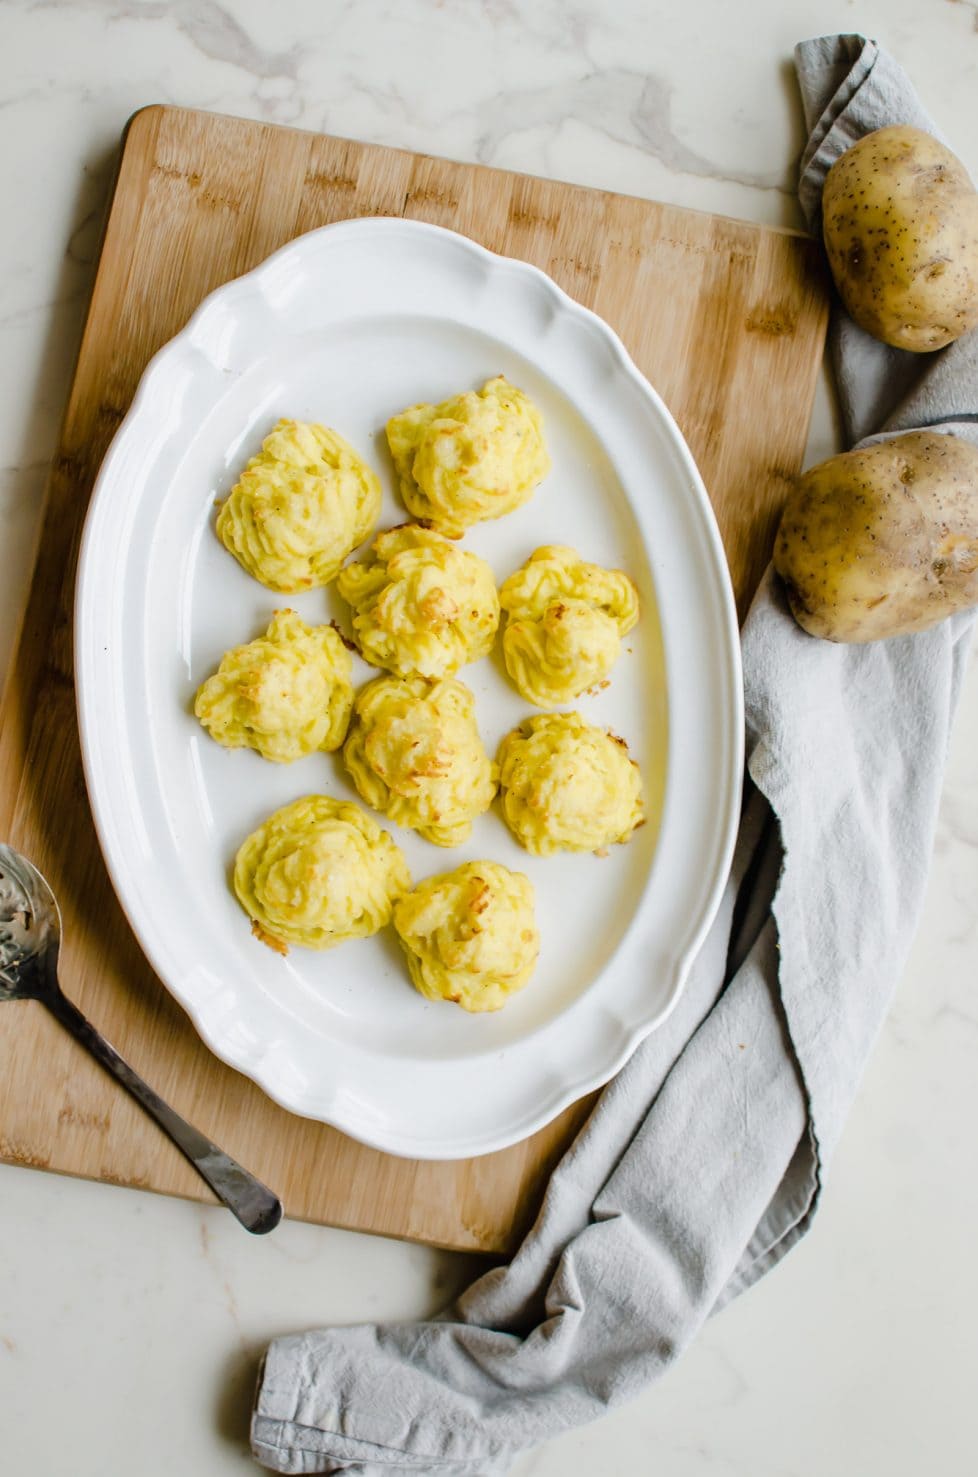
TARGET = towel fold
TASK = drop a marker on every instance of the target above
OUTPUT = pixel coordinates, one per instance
(702, 1162)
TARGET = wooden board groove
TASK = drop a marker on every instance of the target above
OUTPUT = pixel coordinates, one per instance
(727, 319)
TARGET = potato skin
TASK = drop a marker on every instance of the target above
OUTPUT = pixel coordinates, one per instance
(882, 541)
(900, 221)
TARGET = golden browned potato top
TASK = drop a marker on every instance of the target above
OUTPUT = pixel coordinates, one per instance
(285, 694)
(566, 618)
(318, 872)
(478, 455)
(414, 752)
(419, 603)
(470, 936)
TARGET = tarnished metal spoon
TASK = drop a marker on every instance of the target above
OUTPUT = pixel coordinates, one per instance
(30, 939)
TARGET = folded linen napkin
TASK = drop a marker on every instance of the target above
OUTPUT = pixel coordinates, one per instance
(702, 1162)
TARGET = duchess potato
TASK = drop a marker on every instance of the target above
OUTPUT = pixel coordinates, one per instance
(420, 604)
(470, 936)
(318, 872)
(882, 541)
(568, 786)
(900, 220)
(478, 455)
(565, 622)
(414, 752)
(286, 694)
(300, 506)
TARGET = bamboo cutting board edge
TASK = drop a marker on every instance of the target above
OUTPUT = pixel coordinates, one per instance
(490, 1200)
(149, 109)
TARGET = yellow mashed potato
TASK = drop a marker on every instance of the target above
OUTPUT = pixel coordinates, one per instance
(470, 936)
(299, 507)
(420, 604)
(565, 621)
(286, 694)
(414, 752)
(476, 456)
(567, 786)
(318, 872)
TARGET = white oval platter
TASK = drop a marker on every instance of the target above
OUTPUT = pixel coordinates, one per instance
(347, 325)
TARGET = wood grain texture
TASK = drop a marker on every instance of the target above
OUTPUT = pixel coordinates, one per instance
(726, 319)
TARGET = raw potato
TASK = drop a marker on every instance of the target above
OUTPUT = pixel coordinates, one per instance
(900, 219)
(882, 541)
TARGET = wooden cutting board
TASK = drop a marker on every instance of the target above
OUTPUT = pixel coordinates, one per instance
(726, 319)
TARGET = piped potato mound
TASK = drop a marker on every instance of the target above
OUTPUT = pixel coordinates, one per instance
(565, 621)
(286, 694)
(299, 507)
(420, 604)
(470, 936)
(476, 456)
(414, 753)
(318, 872)
(567, 786)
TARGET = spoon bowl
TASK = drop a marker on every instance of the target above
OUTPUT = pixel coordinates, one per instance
(30, 927)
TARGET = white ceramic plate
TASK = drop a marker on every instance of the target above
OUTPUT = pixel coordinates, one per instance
(348, 325)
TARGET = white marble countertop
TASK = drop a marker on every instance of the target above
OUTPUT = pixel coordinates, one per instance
(130, 1325)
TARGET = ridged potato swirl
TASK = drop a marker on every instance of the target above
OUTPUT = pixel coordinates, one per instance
(565, 621)
(476, 456)
(470, 936)
(285, 694)
(568, 786)
(420, 604)
(414, 752)
(299, 507)
(318, 872)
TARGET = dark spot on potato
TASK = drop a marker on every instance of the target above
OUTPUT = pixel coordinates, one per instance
(856, 260)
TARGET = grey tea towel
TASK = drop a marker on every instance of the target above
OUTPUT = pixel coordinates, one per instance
(702, 1162)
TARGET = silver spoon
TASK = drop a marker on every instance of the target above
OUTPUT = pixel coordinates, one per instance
(30, 938)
